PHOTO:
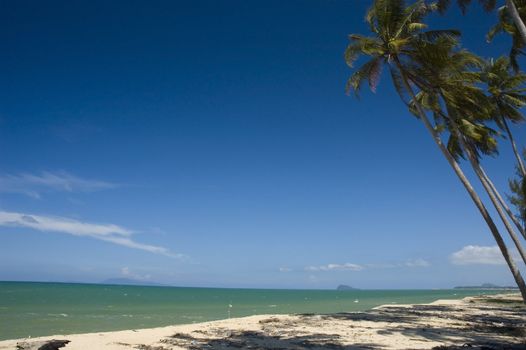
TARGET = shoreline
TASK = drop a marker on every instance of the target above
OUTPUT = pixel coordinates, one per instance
(490, 319)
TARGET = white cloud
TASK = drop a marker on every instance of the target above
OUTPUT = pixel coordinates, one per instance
(335, 267)
(412, 263)
(416, 263)
(285, 269)
(474, 254)
(33, 185)
(105, 232)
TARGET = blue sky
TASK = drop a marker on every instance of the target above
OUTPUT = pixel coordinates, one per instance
(210, 143)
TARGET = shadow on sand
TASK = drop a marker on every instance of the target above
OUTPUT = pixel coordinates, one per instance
(257, 340)
(483, 330)
(480, 330)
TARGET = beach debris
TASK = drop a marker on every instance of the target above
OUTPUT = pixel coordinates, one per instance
(149, 347)
(269, 320)
(42, 345)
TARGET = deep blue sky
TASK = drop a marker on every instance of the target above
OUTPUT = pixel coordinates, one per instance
(220, 130)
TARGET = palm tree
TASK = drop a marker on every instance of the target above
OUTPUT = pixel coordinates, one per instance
(518, 196)
(510, 22)
(448, 73)
(446, 76)
(396, 30)
(443, 5)
(515, 14)
(507, 93)
(511, 14)
(513, 186)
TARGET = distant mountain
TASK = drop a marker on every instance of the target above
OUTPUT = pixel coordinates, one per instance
(345, 287)
(486, 286)
(131, 282)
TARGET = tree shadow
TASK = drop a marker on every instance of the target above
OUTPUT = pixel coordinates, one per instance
(258, 340)
(473, 327)
(395, 314)
(484, 329)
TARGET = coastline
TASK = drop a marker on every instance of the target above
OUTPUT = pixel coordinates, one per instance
(479, 321)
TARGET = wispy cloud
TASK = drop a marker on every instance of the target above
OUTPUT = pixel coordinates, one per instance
(416, 263)
(335, 267)
(33, 185)
(477, 255)
(104, 232)
(285, 269)
(411, 263)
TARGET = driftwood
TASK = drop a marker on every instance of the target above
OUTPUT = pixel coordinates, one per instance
(42, 345)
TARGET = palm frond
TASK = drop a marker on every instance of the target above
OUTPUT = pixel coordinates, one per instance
(463, 4)
(488, 5)
(374, 74)
(399, 85)
(432, 35)
(443, 5)
(361, 45)
(454, 148)
(369, 72)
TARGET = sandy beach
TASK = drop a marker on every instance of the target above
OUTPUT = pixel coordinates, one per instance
(485, 322)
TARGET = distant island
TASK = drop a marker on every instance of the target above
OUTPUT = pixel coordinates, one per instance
(131, 282)
(487, 286)
(345, 287)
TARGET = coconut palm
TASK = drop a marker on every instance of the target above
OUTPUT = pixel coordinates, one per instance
(443, 5)
(513, 183)
(396, 30)
(446, 75)
(510, 18)
(447, 72)
(516, 10)
(510, 22)
(518, 196)
(508, 95)
(441, 70)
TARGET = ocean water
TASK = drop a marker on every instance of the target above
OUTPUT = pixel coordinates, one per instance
(38, 309)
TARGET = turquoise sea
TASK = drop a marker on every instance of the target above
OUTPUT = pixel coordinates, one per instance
(37, 309)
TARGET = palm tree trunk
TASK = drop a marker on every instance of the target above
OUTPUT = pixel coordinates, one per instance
(469, 188)
(504, 204)
(498, 207)
(481, 175)
(517, 20)
(514, 146)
